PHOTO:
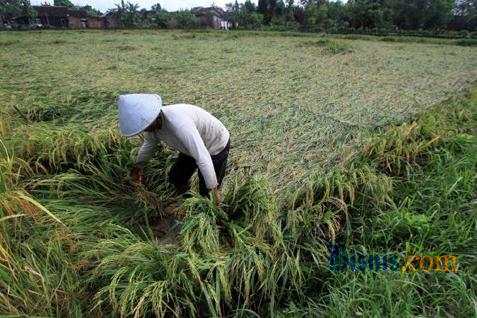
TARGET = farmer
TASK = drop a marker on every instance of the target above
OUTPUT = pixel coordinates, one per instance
(201, 139)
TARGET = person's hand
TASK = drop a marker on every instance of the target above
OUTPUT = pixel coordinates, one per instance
(216, 196)
(137, 174)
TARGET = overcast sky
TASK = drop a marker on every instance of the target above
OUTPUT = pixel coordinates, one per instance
(170, 5)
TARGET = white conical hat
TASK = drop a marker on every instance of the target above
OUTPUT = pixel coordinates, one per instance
(137, 112)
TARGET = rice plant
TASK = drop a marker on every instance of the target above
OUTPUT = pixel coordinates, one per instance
(332, 142)
(199, 233)
(253, 205)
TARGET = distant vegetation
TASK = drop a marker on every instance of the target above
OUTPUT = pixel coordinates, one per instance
(452, 18)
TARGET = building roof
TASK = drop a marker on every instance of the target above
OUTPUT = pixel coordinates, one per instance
(208, 11)
(60, 11)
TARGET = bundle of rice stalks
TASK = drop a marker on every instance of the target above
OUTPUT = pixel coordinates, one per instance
(342, 188)
(23, 266)
(14, 200)
(262, 275)
(38, 276)
(249, 266)
(316, 223)
(252, 205)
(323, 205)
(141, 278)
(53, 149)
(199, 233)
(105, 180)
(36, 264)
(399, 147)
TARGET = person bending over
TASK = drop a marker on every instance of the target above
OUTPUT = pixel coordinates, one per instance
(202, 140)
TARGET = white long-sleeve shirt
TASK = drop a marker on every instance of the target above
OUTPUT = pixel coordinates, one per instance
(192, 131)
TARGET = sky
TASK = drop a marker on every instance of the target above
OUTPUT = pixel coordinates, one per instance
(171, 5)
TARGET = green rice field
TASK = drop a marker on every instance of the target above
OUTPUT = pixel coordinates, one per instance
(290, 103)
(362, 142)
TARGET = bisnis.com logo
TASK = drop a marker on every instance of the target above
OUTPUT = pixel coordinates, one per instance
(340, 260)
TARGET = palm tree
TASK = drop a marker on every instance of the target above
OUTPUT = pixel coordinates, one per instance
(128, 13)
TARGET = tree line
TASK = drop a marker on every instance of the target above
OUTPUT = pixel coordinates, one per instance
(357, 15)
(360, 16)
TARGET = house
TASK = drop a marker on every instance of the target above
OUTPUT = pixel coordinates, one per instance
(65, 17)
(213, 17)
(94, 22)
(111, 20)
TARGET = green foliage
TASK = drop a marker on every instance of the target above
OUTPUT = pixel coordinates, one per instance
(336, 16)
(246, 20)
(368, 14)
(11, 9)
(128, 14)
(156, 7)
(91, 11)
(363, 16)
(183, 19)
(416, 15)
(433, 216)
(466, 42)
(329, 46)
(65, 3)
(77, 238)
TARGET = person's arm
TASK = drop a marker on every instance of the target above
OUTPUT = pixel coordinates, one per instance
(143, 156)
(190, 137)
(146, 150)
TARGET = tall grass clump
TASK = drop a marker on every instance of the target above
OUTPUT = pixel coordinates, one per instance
(14, 200)
(4, 126)
(401, 147)
(37, 268)
(261, 265)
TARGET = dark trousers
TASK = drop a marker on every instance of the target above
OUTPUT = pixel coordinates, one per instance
(185, 166)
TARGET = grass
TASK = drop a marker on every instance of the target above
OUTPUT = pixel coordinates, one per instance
(329, 46)
(275, 91)
(343, 143)
(434, 213)
(410, 39)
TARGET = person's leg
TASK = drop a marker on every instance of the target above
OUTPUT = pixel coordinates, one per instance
(220, 165)
(181, 172)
